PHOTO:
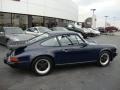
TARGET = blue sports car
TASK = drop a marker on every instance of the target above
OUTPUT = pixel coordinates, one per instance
(43, 52)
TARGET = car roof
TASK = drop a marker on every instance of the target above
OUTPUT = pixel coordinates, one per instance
(55, 33)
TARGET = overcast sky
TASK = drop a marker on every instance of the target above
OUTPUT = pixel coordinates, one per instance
(103, 8)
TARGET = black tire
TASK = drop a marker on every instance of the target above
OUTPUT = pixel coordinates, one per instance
(42, 65)
(104, 59)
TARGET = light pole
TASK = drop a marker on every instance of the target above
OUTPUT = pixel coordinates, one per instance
(93, 10)
(93, 19)
(114, 21)
(106, 21)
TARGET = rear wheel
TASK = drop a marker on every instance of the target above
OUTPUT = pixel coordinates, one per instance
(42, 65)
(104, 58)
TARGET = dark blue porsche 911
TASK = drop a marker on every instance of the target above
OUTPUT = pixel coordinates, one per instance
(43, 52)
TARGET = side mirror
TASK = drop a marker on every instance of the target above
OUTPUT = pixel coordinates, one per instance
(83, 44)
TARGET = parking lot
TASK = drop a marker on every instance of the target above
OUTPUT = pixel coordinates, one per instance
(74, 77)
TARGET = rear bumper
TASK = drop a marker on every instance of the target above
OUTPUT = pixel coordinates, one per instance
(22, 65)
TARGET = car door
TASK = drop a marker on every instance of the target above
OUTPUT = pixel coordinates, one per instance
(74, 49)
(83, 52)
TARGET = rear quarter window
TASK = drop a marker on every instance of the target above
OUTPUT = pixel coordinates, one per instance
(50, 42)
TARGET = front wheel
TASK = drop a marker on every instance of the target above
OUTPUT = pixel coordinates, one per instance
(42, 66)
(104, 58)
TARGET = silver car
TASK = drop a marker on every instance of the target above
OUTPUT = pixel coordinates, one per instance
(8, 34)
(37, 30)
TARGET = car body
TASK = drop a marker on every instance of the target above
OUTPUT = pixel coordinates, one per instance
(8, 34)
(78, 30)
(58, 48)
(64, 30)
(95, 32)
(111, 29)
(37, 30)
(101, 29)
(92, 32)
(59, 29)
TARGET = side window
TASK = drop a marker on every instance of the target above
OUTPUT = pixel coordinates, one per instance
(30, 30)
(50, 42)
(35, 30)
(73, 39)
(79, 39)
(64, 41)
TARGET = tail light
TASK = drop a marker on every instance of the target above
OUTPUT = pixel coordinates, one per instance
(13, 59)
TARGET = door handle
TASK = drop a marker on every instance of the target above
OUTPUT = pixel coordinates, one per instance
(66, 50)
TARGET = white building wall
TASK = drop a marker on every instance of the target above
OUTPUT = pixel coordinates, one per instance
(65, 9)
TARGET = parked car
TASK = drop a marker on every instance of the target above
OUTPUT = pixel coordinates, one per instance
(59, 48)
(111, 29)
(37, 30)
(59, 29)
(64, 29)
(93, 32)
(101, 29)
(8, 34)
(78, 30)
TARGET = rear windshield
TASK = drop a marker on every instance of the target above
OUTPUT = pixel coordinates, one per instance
(37, 38)
(16, 44)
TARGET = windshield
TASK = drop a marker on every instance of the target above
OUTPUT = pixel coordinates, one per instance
(59, 29)
(43, 29)
(13, 30)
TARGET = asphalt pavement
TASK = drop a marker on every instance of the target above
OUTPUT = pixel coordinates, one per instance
(75, 77)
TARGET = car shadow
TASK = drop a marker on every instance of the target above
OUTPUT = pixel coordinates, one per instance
(57, 70)
(73, 67)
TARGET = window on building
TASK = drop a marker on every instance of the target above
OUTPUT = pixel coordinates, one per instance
(15, 20)
(20, 21)
(5, 19)
(23, 21)
(50, 22)
(37, 21)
